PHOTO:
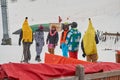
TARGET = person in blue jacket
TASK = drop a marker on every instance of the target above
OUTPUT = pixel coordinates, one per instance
(72, 40)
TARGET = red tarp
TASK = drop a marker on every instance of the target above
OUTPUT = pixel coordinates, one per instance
(89, 67)
(45, 71)
(41, 71)
(56, 59)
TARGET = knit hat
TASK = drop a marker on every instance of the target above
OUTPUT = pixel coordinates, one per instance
(41, 27)
(73, 25)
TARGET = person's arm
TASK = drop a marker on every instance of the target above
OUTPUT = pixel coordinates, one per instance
(47, 38)
(96, 39)
(32, 37)
(82, 47)
(43, 39)
(56, 38)
(61, 38)
(35, 36)
(20, 37)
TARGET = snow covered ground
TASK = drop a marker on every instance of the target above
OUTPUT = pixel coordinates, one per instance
(105, 15)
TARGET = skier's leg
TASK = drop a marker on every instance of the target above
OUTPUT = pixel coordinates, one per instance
(62, 46)
(38, 54)
(94, 57)
(88, 58)
(29, 54)
(25, 52)
(49, 50)
(37, 51)
(52, 50)
(65, 50)
(40, 50)
(73, 54)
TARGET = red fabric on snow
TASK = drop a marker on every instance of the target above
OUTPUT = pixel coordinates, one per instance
(89, 67)
(2, 73)
(45, 71)
(18, 71)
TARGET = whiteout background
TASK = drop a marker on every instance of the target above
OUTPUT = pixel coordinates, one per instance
(105, 15)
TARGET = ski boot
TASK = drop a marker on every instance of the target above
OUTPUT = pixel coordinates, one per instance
(37, 58)
(24, 61)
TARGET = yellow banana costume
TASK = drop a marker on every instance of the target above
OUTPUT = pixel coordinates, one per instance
(27, 32)
(89, 40)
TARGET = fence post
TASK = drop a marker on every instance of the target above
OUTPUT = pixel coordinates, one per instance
(80, 72)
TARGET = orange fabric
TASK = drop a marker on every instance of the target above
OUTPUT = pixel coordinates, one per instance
(56, 59)
(63, 37)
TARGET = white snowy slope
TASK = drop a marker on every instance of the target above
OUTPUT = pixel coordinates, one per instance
(105, 15)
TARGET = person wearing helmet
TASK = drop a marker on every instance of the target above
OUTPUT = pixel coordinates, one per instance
(72, 40)
(39, 39)
(63, 46)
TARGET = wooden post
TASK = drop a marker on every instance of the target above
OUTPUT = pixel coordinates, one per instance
(80, 72)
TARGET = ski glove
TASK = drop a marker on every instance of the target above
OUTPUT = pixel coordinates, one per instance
(83, 55)
(60, 46)
(19, 43)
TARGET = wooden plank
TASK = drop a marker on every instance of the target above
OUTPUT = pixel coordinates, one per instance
(67, 78)
(102, 74)
(108, 75)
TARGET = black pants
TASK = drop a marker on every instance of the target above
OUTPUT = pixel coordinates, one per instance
(26, 51)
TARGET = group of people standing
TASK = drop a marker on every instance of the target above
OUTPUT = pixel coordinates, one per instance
(69, 41)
